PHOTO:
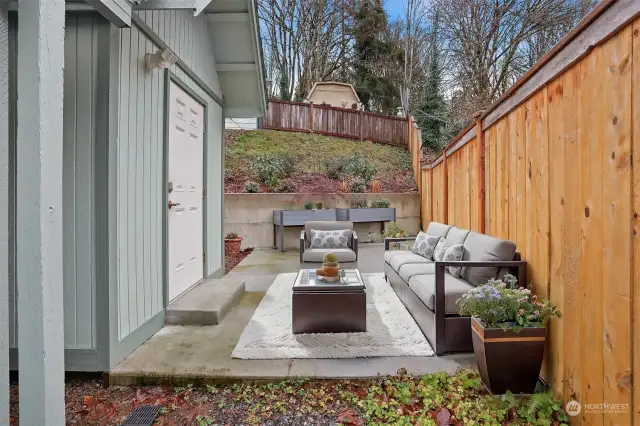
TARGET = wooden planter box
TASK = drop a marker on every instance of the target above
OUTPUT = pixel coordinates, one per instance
(508, 361)
(382, 215)
(282, 218)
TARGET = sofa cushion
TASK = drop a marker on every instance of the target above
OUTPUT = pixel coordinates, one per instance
(438, 229)
(316, 255)
(397, 261)
(481, 247)
(457, 236)
(441, 248)
(330, 238)
(454, 254)
(390, 254)
(424, 286)
(425, 245)
(410, 269)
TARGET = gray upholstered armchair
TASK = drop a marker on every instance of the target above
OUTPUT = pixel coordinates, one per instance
(347, 257)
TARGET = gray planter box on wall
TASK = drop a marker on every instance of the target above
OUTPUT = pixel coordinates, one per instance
(282, 218)
(382, 215)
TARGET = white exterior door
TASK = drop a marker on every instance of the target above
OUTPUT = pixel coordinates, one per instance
(185, 191)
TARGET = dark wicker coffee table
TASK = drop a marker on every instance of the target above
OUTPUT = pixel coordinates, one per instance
(319, 307)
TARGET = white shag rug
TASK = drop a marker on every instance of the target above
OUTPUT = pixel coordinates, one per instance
(391, 331)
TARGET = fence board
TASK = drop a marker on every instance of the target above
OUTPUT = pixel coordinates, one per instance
(636, 220)
(591, 264)
(339, 122)
(615, 122)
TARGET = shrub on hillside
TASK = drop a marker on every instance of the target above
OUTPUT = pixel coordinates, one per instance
(334, 167)
(358, 185)
(251, 187)
(286, 186)
(269, 168)
(361, 167)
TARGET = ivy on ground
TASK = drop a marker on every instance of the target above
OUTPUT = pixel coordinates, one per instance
(431, 400)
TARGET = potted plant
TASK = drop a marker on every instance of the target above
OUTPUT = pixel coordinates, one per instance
(508, 332)
(232, 243)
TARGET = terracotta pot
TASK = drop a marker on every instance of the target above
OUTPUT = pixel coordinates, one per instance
(508, 360)
(232, 245)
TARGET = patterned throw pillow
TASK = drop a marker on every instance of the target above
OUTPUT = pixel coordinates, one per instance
(441, 248)
(330, 239)
(425, 245)
(454, 254)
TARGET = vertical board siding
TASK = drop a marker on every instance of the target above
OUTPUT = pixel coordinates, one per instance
(188, 37)
(139, 177)
(563, 183)
(140, 170)
(79, 139)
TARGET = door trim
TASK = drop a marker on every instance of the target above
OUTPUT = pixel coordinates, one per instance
(169, 78)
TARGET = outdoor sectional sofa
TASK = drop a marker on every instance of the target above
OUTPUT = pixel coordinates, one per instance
(429, 292)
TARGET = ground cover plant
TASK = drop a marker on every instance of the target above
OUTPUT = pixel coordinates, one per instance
(276, 161)
(431, 400)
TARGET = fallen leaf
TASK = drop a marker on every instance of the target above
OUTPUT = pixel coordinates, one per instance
(350, 418)
(444, 417)
(89, 401)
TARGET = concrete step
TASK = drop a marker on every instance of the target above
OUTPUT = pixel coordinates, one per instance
(206, 303)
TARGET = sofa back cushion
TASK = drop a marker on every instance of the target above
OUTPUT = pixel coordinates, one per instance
(456, 236)
(437, 229)
(480, 247)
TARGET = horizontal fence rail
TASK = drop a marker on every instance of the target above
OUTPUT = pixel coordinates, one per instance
(338, 122)
(554, 166)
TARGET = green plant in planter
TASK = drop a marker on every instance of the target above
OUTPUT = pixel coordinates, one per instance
(380, 203)
(360, 202)
(501, 304)
(358, 185)
(308, 205)
(319, 205)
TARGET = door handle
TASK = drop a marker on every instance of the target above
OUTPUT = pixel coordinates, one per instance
(172, 204)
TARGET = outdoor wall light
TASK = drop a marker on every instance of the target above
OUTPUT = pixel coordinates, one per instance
(161, 59)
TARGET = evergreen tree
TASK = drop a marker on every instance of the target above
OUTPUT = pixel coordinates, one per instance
(283, 84)
(432, 108)
(375, 92)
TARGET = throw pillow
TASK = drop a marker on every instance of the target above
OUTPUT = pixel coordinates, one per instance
(425, 245)
(441, 248)
(454, 254)
(330, 239)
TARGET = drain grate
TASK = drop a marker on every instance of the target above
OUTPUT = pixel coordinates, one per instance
(144, 415)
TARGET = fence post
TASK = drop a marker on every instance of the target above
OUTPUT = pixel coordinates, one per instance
(445, 187)
(360, 116)
(481, 171)
(310, 118)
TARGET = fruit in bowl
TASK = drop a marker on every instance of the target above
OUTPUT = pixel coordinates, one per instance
(330, 270)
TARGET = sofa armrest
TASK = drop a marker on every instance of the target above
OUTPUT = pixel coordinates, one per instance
(388, 241)
(302, 244)
(354, 243)
(520, 265)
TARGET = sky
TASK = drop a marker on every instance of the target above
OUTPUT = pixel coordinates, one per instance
(394, 8)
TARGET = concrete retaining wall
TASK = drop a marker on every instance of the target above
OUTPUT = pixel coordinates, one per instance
(250, 215)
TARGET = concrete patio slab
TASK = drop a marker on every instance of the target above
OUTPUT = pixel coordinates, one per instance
(260, 268)
(202, 354)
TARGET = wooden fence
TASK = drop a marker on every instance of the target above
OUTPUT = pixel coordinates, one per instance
(339, 122)
(554, 166)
